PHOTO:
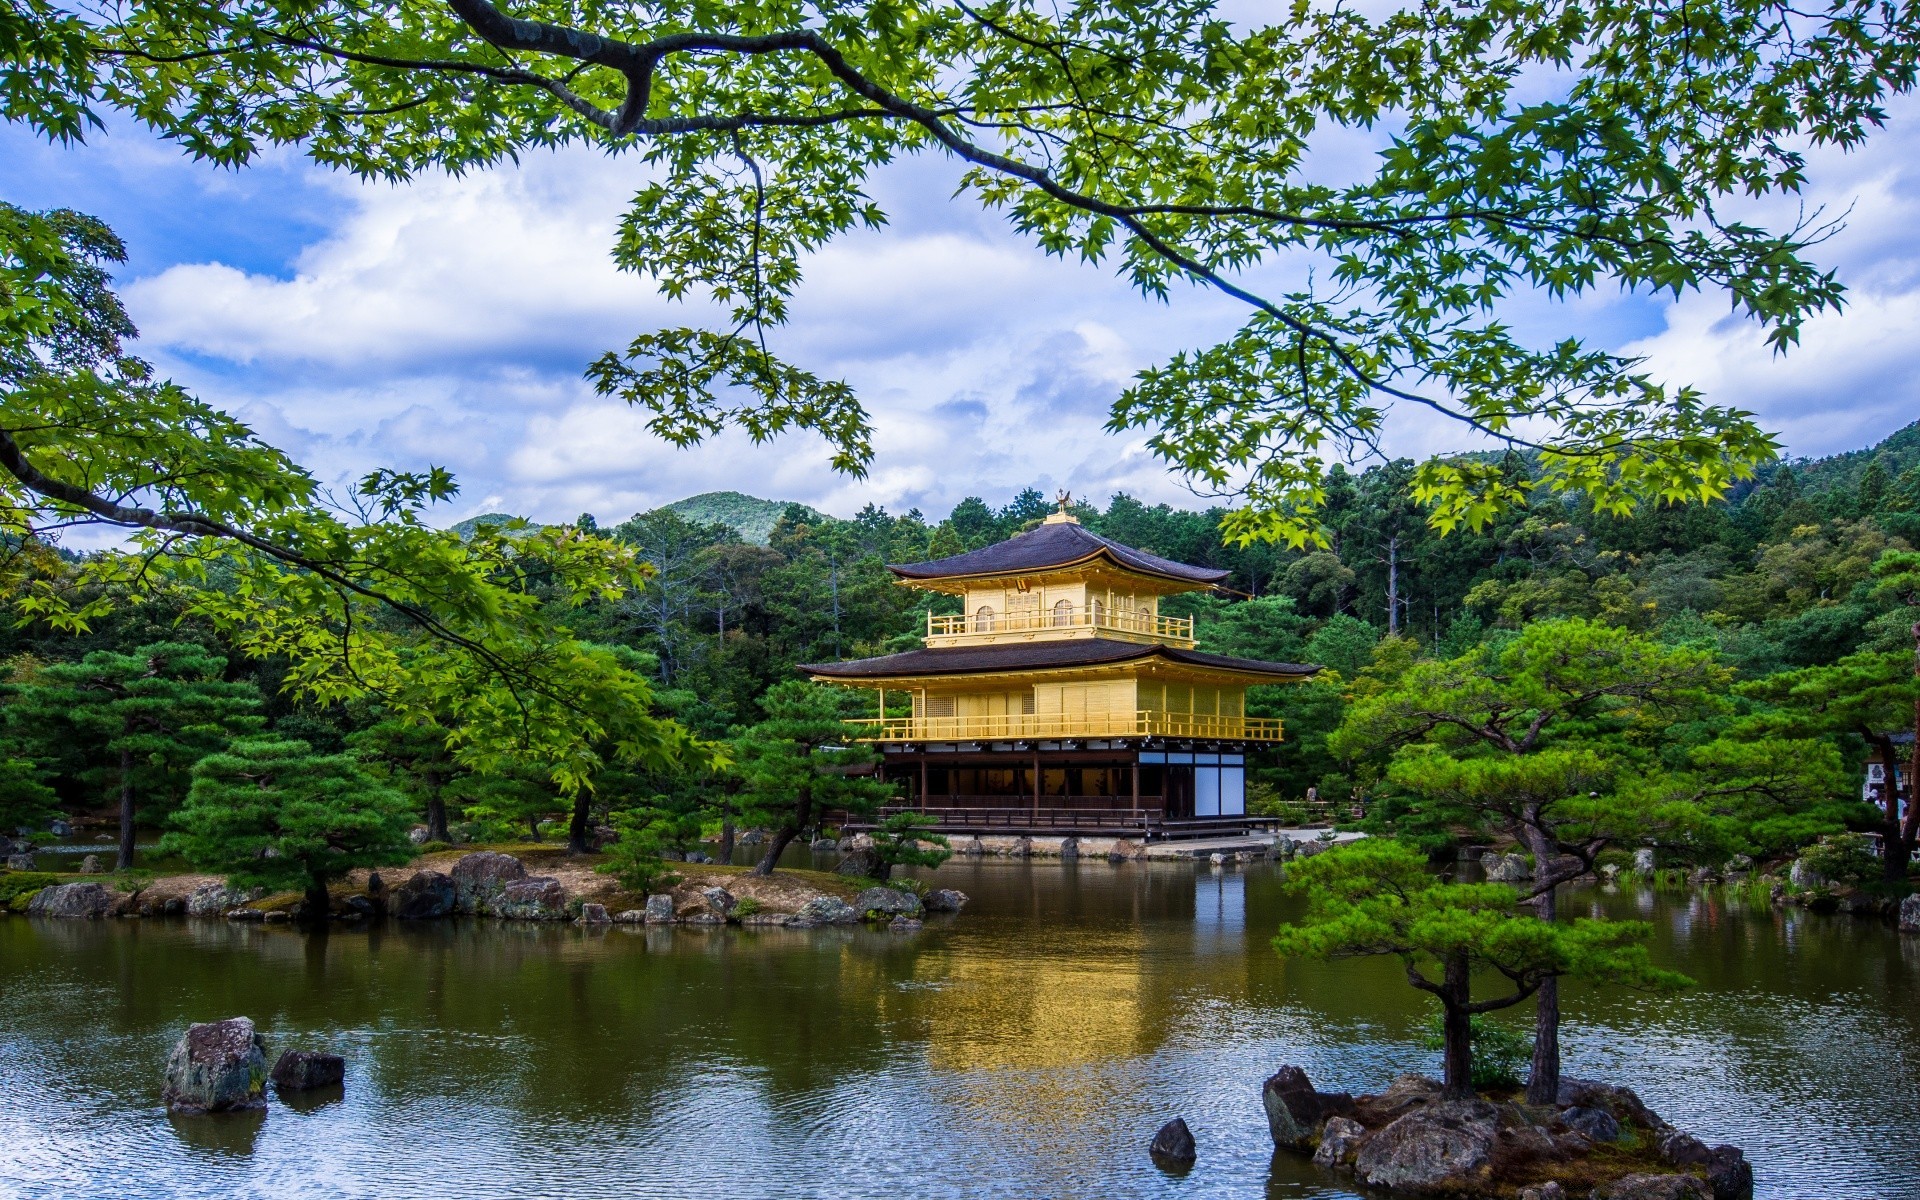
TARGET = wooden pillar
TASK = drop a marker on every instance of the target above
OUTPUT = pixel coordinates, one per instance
(1136, 783)
(1036, 786)
(923, 780)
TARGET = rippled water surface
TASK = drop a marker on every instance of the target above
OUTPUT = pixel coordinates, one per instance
(1028, 1049)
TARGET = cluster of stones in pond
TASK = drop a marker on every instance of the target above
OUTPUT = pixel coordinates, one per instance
(221, 1066)
(1596, 1142)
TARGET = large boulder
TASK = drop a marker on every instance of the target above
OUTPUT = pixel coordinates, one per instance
(1643, 860)
(535, 898)
(719, 900)
(1910, 914)
(1443, 1147)
(1340, 1140)
(888, 903)
(73, 900)
(218, 1066)
(20, 862)
(1506, 868)
(860, 864)
(1173, 1145)
(594, 914)
(1729, 1175)
(824, 910)
(214, 899)
(1622, 1103)
(944, 900)
(1653, 1187)
(429, 894)
(659, 909)
(305, 1070)
(481, 877)
(1594, 1124)
(1296, 1112)
(90, 865)
(1804, 875)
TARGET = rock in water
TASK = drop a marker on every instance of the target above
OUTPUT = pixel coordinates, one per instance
(659, 909)
(1910, 914)
(427, 895)
(72, 900)
(824, 910)
(944, 900)
(1339, 1141)
(480, 878)
(219, 1066)
(594, 914)
(1296, 1112)
(304, 1070)
(888, 902)
(719, 900)
(535, 898)
(1070, 848)
(904, 925)
(90, 865)
(212, 899)
(1506, 868)
(1173, 1145)
(19, 862)
(1445, 1147)
(1643, 860)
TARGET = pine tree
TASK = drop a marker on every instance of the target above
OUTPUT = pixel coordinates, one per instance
(272, 813)
(414, 758)
(1378, 897)
(136, 721)
(798, 764)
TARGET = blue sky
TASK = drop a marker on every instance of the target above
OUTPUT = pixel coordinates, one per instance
(447, 321)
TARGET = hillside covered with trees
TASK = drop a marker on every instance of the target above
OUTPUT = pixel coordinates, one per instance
(1774, 583)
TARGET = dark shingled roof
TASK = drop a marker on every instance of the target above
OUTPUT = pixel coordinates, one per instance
(1052, 545)
(1028, 656)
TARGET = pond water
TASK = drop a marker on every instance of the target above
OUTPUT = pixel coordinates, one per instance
(1029, 1048)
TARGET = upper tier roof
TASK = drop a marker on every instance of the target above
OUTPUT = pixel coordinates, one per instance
(1057, 543)
(1040, 656)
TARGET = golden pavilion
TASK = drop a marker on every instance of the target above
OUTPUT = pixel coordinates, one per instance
(1060, 700)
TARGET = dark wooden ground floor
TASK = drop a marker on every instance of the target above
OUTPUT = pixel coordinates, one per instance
(1146, 789)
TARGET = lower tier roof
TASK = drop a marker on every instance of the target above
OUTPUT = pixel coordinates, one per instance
(1043, 656)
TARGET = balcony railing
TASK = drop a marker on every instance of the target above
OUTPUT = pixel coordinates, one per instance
(1026, 727)
(1079, 617)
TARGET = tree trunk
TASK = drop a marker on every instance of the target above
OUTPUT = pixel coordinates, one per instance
(319, 904)
(1457, 1027)
(724, 851)
(1543, 1078)
(436, 810)
(1393, 586)
(577, 826)
(1893, 846)
(533, 828)
(783, 836)
(124, 861)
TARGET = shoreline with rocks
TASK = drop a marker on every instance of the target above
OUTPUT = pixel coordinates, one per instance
(533, 884)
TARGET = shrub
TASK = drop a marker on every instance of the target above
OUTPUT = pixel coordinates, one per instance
(1499, 1051)
(1845, 858)
(22, 885)
(746, 907)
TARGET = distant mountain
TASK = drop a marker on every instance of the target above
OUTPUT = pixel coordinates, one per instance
(467, 527)
(749, 516)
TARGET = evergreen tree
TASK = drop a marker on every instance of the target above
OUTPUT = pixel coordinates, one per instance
(412, 756)
(272, 813)
(137, 721)
(799, 764)
(1378, 897)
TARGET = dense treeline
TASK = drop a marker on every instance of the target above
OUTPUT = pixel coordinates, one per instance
(1777, 579)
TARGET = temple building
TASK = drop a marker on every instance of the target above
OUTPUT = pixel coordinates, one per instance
(1060, 700)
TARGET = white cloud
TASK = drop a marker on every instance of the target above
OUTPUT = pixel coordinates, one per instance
(448, 321)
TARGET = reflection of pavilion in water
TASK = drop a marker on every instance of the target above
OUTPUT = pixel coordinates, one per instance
(1120, 994)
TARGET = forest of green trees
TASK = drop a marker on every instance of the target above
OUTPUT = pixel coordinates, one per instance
(1776, 589)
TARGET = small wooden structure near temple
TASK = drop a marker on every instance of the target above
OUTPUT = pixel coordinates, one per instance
(1061, 701)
